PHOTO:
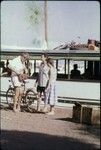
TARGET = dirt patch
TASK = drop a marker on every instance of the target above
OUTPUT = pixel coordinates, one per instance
(38, 131)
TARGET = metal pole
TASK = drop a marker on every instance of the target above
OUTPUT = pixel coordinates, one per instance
(65, 66)
(68, 69)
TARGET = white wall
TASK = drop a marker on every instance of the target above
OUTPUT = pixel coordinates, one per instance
(78, 89)
(66, 88)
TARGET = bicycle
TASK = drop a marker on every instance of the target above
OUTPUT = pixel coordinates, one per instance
(29, 97)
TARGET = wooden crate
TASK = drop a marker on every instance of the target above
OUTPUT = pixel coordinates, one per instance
(77, 113)
(86, 114)
(91, 115)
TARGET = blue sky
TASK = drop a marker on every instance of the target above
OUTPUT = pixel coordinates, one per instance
(66, 21)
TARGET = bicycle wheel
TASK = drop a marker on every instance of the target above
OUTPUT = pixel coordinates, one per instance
(10, 97)
(31, 100)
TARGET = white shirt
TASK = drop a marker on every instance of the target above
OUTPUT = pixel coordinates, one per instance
(16, 65)
(43, 76)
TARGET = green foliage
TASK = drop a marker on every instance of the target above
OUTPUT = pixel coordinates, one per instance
(34, 13)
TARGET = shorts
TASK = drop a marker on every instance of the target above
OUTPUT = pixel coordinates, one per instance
(40, 89)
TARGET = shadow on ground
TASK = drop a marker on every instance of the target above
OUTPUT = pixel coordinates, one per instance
(92, 129)
(23, 109)
(16, 140)
(7, 108)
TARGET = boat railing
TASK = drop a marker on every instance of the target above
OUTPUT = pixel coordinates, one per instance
(70, 100)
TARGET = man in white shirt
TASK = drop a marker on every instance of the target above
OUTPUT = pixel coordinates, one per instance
(17, 66)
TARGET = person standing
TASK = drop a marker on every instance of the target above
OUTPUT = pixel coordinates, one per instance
(50, 91)
(42, 80)
(17, 66)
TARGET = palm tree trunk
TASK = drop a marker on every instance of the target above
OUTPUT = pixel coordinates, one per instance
(45, 21)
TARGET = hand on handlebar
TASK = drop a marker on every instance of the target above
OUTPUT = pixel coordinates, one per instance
(23, 77)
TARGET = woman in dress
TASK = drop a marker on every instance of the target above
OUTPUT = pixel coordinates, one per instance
(50, 91)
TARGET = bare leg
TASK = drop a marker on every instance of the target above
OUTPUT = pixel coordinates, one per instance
(45, 109)
(38, 104)
(46, 96)
(20, 97)
(39, 101)
(16, 96)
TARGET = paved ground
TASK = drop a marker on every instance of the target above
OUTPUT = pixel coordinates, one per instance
(37, 131)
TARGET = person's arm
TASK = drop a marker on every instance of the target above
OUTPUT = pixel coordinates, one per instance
(4, 73)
